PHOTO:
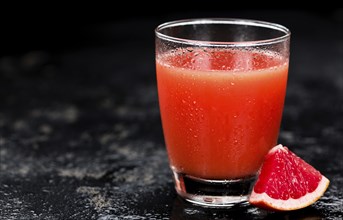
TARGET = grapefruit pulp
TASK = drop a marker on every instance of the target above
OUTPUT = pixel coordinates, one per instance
(286, 182)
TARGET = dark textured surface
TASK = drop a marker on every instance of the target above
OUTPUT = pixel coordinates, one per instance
(80, 133)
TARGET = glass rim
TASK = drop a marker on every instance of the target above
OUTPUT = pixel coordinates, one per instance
(235, 21)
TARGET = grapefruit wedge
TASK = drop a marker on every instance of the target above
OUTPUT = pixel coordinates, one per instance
(286, 182)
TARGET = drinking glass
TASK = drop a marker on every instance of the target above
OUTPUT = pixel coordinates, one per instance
(221, 87)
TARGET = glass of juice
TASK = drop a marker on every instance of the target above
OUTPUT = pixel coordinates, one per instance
(221, 88)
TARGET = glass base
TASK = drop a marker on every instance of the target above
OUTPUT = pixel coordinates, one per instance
(214, 193)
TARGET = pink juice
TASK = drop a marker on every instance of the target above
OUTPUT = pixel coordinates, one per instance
(221, 109)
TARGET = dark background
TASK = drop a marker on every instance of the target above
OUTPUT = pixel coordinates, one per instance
(58, 28)
(80, 132)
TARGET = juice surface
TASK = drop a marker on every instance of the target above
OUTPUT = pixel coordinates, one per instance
(221, 109)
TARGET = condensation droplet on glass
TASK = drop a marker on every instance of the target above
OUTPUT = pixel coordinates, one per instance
(194, 102)
(232, 83)
(183, 101)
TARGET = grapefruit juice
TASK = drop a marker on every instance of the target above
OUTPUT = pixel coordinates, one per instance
(221, 109)
(221, 86)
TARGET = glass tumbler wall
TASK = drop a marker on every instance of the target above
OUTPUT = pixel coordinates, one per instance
(221, 87)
